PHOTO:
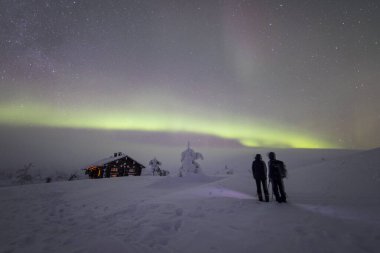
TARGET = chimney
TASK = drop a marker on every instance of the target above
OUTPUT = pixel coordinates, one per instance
(114, 154)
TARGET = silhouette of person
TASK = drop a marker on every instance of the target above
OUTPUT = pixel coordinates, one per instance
(277, 172)
(259, 171)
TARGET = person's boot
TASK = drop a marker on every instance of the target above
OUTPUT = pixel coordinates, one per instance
(266, 198)
(260, 198)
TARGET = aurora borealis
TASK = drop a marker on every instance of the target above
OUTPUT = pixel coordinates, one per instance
(300, 74)
(248, 134)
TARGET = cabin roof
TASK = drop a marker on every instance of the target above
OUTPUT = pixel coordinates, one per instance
(113, 158)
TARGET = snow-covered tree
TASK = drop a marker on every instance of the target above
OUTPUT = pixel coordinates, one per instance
(189, 164)
(155, 167)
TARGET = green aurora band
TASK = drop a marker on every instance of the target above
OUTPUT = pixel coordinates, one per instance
(249, 134)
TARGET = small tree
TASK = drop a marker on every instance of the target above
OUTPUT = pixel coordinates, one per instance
(228, 170)
(189, 164)
(72, 177)
(61, 175)
(23, 175)
(155, 167)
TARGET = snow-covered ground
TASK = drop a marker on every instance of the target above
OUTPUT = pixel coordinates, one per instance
(334, 206)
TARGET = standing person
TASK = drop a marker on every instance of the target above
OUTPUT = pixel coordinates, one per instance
(259, 171)
(277, 172)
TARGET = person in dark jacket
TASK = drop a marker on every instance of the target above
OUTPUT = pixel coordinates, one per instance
(277, 172)
(259, 171)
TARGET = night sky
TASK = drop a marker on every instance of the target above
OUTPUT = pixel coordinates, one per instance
(302, 74)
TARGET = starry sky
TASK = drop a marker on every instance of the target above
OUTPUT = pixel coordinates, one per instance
(299, 74)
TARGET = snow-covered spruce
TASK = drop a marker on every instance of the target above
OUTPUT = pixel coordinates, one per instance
(189, 164)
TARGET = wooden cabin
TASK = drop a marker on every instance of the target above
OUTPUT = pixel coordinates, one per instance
(118, 165)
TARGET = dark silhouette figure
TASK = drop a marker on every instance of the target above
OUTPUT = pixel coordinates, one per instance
(259, 171)
(277, 172)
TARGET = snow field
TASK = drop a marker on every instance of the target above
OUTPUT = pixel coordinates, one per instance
(334, 206)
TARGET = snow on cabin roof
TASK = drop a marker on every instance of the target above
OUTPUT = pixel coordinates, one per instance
(114, 157)
(108, 160)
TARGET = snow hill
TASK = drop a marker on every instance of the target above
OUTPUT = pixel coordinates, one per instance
(334, 206)
(355, 177)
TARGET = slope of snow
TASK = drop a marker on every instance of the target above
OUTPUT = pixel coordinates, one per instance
(333, 207)
(356, 177)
